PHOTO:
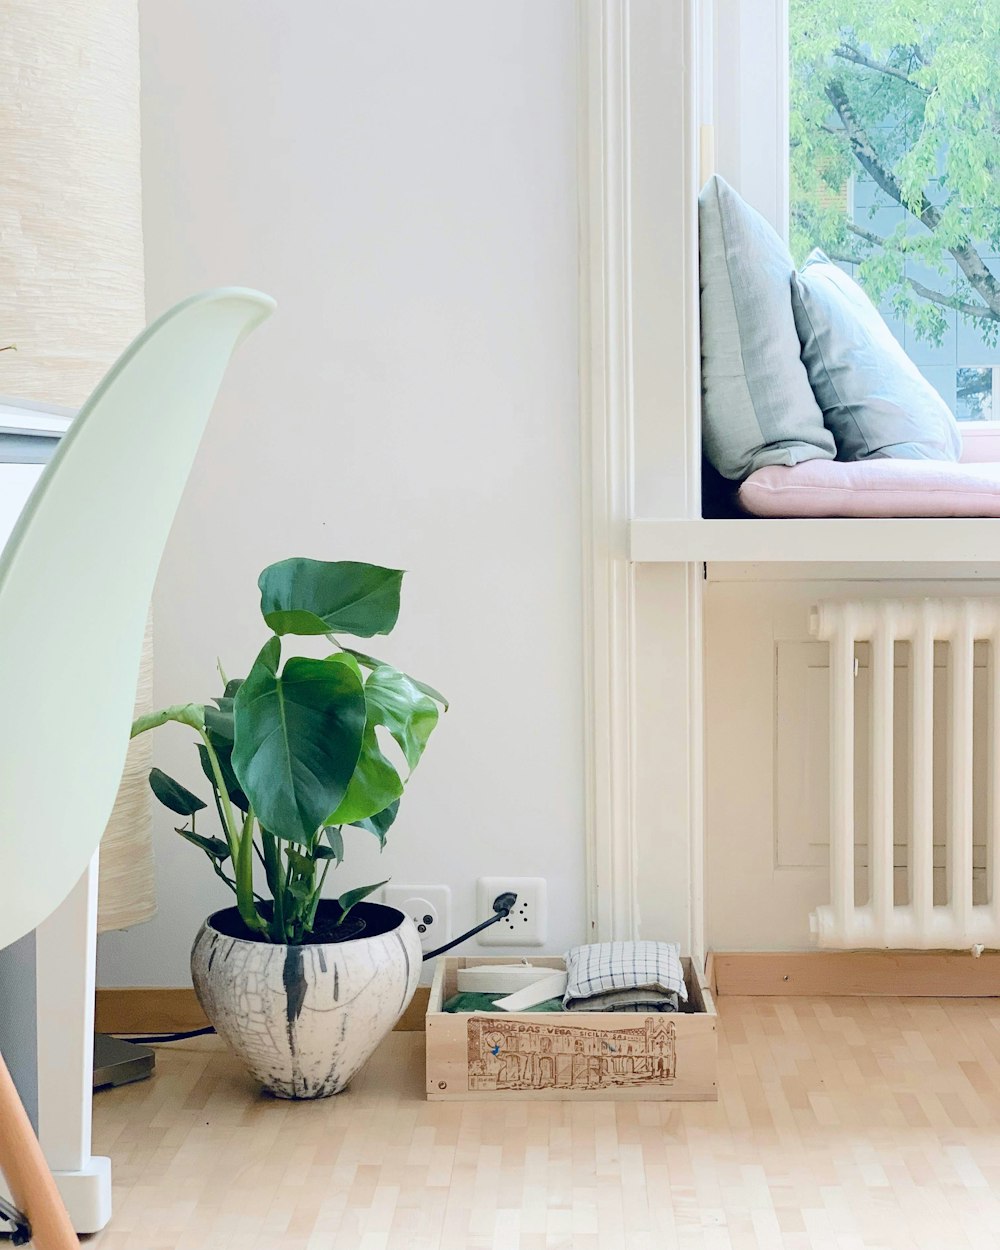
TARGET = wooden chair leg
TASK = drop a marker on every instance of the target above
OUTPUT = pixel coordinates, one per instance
(28, 1176)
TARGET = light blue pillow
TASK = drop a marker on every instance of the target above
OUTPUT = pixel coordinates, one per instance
(757, 405)
(874, 398)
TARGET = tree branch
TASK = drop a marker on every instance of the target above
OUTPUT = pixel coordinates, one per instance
(925, 292)
(869, 159)
(979, 311)
(869, 236)
(969, 261)
(847, 52)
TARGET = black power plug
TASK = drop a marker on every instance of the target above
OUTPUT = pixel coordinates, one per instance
(503, 905)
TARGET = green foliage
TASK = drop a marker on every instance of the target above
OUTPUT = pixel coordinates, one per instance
(297, 737)
(293, 752)
(173, 795)
(905, 95)
(359, 599)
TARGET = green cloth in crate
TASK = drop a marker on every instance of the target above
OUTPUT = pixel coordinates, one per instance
(484, 1002)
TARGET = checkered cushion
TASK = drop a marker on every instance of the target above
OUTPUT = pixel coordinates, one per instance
(625, 976)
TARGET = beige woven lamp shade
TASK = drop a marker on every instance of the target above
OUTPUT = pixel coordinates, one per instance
(71, 280)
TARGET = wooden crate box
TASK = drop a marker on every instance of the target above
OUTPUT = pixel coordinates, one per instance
(657, 1057)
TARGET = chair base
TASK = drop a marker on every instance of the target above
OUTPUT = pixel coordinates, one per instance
(18, 1230)
(32, 1186)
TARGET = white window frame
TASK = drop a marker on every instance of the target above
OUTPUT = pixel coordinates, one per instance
(747, 65)
(744, 99)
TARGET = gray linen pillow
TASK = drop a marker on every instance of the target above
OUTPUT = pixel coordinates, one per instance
(874, 398)
(757, 405)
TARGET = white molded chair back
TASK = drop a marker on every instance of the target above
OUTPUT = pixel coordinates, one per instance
(76, 577)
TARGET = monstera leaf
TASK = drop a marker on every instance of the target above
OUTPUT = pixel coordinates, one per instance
(395, 701)
(369, 661)
(192, 714)
(375, 784)
(352, 897)
(373, 787)
(224, 754)
(220, 728)
(173, 795)
(381, 822)
(300, 596)
(298, 735)
(214, 848)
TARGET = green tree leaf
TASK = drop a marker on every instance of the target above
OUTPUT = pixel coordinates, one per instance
(300, 596)
(298, 738)
(173, 795)
(902, 98)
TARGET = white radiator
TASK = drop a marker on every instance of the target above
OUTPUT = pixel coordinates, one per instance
(881, 921)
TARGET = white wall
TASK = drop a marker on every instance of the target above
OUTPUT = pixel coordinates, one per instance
(402, 179)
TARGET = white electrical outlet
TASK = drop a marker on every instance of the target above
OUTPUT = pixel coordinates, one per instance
(528, 922)
(428, 906)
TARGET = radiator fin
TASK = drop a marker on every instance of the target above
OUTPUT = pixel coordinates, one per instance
(891, 913)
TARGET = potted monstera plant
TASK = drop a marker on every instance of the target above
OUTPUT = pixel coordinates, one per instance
(301, 984)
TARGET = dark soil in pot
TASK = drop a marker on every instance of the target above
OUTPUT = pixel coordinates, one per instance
(365, 920)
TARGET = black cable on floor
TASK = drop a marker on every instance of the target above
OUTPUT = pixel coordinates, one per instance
(150, 1040)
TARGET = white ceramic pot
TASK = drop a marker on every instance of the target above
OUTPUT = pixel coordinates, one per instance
(305, 1018)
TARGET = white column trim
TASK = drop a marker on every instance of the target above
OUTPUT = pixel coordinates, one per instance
(640, 393)
(696, 763)
(607, 420)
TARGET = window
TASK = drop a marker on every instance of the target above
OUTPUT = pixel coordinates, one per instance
(29, 434)
(894, 171)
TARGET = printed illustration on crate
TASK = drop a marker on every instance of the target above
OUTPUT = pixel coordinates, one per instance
(511, 1054)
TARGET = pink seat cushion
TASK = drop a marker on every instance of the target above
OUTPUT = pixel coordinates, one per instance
(873, 488)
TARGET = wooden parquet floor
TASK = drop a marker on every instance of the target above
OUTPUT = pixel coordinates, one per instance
(843, 1124)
